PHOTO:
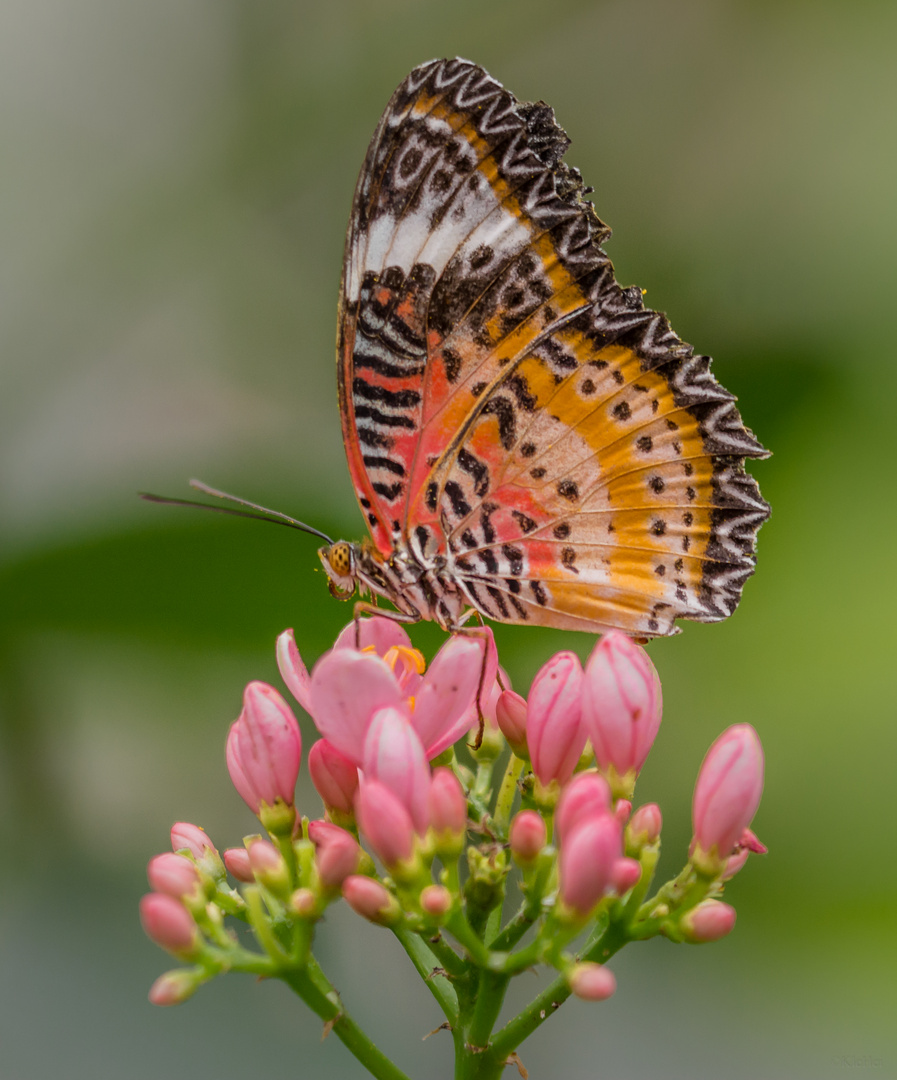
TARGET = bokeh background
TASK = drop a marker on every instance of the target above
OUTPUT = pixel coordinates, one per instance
(174, 189)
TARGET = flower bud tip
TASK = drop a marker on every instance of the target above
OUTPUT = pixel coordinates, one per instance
(592, 982)
(709, 921)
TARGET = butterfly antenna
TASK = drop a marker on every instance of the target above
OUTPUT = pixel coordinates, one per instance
(275, 517)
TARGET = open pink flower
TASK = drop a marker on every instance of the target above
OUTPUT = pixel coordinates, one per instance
(348, 687)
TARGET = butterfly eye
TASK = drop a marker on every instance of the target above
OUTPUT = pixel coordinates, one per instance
(339, 556)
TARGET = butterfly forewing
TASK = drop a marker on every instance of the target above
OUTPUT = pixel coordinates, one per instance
(506, 404)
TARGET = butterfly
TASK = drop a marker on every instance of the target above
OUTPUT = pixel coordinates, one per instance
(526, 439)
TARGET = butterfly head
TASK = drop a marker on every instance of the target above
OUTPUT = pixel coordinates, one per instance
(338, 561)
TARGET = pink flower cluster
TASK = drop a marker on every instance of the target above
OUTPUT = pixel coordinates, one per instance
(383, 717)
(615, 702)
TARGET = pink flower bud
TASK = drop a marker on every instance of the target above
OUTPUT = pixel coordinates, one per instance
(444, 707)
(168, 923)
(709, 921)
(264, 749)
(264, 858)
(447, 806)
(586, 796)
(510, 714)
(527, 837)
(304, 903)
(592, 982)
(436, 901)
(173, 987)
(622, 703)
(385, 822)
(587, 861)
(644, 826)
(748, 844)
(174, 875)
(727, 792)
(236, 859)
(319, 832)
(622, 810)
(187, 837)
(393, 754)
(347, 688)
(555, 734)
(371, 900)
(337, 858)
(268, 866)
(292, 670)
(193, 840)
(734, 863)
(625, 874)
(335, 777)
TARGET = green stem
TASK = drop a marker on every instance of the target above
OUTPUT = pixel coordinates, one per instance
(483, 784)
(490, 998)
(525, 958)
(425, 961)
(261, 924)
(329, 1008)
(552, 997)
(447, 956)
(515, 928)
(505, 801)
(464, 933)
(493, 923)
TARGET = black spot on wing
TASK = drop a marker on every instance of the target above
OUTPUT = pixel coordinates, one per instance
(460, 506)
(475, 468)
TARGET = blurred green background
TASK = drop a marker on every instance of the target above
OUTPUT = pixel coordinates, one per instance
(174, 192)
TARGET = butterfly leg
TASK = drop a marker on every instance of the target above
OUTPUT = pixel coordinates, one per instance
(476, 632)
(362, 607)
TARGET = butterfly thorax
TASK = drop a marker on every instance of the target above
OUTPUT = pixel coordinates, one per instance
(419, 588)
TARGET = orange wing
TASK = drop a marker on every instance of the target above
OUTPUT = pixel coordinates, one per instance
(531, 422)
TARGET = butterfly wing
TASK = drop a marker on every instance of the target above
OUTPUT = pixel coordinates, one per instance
(414, 203)
(571, 459)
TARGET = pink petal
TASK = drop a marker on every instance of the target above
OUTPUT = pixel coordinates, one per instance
(377, 631)
(393, 754)
(292, 670)
(347, 688)
(446, 694)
